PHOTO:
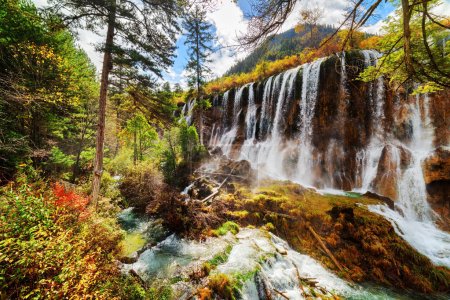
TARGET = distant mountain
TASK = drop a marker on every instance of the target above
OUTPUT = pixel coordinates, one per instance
(279, 46)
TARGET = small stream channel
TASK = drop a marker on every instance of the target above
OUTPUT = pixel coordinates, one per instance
(261, 261)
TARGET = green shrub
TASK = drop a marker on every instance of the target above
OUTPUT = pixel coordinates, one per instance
(49, 250)
(140, 185)
(226, 227)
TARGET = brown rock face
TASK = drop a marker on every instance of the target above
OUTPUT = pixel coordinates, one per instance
(437, 166)
(439, 110)
(439, 199)
(393, 160)
(437, 177)
(385, 182)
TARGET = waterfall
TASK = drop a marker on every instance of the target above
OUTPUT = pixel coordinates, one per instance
(227, 140)
(281, 151)
(187, 111)
(367, 159)
(250, 118)
(237, 104)
(283, 96)
(310, 84)
(413, 218)
(225, 105)
(269, 153)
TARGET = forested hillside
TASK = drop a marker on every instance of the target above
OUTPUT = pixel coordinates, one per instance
(281, 45)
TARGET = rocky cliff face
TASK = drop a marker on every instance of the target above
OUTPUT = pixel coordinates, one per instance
(319, 125)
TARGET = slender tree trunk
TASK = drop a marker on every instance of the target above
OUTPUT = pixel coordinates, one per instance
(135, 150)
(107, 66)
(200, 125)
(76, 166)
(406, 9)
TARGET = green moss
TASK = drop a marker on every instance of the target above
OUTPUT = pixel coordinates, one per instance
(240, 278)
(353, 194)
(269, 226)
(222, 285)
(220, 258)
(131, 243)
(226, 227)
(239, 213)
(160, 293)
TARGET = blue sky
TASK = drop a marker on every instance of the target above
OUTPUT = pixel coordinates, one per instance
(228, 19)
(230, 11)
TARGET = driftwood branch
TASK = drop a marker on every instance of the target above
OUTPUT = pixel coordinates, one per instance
(216, 191)
(300, 281)
(141, 281)
(220, 186)
(220, 174)
(280, 293)
(324, 247)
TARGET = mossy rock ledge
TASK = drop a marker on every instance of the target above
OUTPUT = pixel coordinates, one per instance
(364, 244)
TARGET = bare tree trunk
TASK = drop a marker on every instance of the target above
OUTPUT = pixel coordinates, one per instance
(200, 125)
(107, 66)
(406, 9)
(76, 166)
(135, 149)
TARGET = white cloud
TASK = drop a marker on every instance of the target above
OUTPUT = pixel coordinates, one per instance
(87, 40)
(228, 18)
(229, 21)
(333, 12)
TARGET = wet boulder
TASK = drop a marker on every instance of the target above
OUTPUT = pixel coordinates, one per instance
(436, 168)
(393, 161)
(238, 170)
(388, 201)
(202, 188)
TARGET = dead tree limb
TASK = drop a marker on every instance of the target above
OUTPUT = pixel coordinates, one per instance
(141, 281)
(216, 191)
(299, 281)
(280, 293)
(324, 247)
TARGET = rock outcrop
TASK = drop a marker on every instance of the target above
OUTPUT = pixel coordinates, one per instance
(393, 160)
(436, 169)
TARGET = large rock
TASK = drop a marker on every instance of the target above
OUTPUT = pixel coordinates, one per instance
(436, 170)
(393, 160)
(436, 167)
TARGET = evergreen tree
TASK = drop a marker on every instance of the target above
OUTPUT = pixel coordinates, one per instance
(177, 88)
(140, 34)
(199, 39)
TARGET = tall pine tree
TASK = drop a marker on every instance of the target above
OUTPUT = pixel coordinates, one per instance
(199, 40)
(139, 33)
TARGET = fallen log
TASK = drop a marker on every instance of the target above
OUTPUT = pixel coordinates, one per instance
(215, 192)
(324, 247)
(299, 278)
(220, 174)
(280, 293)
(138, 278)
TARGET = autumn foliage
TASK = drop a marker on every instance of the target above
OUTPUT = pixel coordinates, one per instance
(264, 69)
(52, 249)
(71, 200)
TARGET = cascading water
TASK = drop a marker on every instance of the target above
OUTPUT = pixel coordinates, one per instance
(310, 85)
(369, 157)
(413, 218)
(250, 118)
(253, 253)
(226, 141)
(274, 153)
(271, 152)
(188, 110)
